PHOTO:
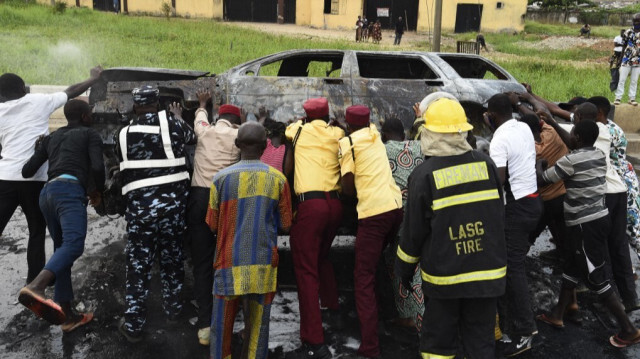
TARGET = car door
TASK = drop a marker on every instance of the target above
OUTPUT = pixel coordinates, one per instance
(391, 83)
(282, 83)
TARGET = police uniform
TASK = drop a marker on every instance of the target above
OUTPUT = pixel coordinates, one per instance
(454, 227)
(156, 187)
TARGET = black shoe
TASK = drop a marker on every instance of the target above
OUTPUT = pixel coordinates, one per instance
(308, 351)
(518, 345)
(131, 337)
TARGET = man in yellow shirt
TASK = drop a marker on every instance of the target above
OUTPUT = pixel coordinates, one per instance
(367, 175)
(319, 213)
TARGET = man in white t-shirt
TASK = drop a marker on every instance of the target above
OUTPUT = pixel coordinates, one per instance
(513, 151)
(23, 119)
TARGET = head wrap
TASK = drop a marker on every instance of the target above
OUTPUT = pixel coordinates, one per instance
(357, 115)
(316, 108)
(145, 95)
(231, 109)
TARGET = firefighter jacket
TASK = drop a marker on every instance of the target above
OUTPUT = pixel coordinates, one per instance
(454, 227)
(152, 151)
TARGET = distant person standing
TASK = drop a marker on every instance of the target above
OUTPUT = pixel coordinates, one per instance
(359, 29)
(399, 31)
(376, 32)
(630, 64)
(365, 29)
(23, 118)
(116, 6)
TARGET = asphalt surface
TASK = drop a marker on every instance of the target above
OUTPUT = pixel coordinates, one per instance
(99, 285)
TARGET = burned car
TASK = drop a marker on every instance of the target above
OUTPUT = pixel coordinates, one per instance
(388, 82)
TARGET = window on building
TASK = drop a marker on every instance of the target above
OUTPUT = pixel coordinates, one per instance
(499, 5)
(327, 6)
(393, 67)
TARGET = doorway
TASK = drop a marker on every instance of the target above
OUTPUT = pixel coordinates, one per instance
(468, 17)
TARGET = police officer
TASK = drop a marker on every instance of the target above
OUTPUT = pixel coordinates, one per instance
(156, 187)
(453, 226)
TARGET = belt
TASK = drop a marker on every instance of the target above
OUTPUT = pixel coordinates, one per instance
(61, 179)
(318, 195)
(533, 195)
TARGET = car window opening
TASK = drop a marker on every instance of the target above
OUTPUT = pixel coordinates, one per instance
(304, 66)
(474, 68)
(393, 67)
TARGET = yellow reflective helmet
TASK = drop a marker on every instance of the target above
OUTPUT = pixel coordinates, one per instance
(446, 116)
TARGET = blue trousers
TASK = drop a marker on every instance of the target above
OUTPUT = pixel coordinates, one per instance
(64, 206)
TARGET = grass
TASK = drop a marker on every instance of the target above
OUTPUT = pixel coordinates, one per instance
(48, 48)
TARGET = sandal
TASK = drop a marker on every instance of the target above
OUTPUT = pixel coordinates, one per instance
(543, 318)
(633, 103)
(618, 342)
(46, 309)
(616, 102)
(86, 318)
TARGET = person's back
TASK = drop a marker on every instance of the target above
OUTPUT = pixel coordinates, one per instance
(246, 199)
(249, 203)
(215, 149)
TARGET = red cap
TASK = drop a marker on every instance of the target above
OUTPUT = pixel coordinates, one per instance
(357, 115)
(234, 110)
(316, 108)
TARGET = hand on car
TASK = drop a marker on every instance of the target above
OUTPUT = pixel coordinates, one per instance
(176, 109)
(95, 72)
(203, 97)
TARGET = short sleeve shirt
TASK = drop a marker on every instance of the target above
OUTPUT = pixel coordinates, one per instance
(216, 149)
(377, 190)
(551, 148)
(603, 143)
(315, 156)
(22, 121)
(513, 147)
(404, 157)
(631, 55)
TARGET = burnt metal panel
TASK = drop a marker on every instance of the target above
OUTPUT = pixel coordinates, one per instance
(251, 10)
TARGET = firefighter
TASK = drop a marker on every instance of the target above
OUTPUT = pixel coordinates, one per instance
(156, 187)
(454, 226)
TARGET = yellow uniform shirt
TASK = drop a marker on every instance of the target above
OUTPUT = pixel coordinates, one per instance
(315, 156)
(377, 190)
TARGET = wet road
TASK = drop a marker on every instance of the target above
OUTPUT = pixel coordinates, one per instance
(99, 286)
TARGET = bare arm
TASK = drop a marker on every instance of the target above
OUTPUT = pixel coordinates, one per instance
(348, 185)
(77, 89)
(564, 135)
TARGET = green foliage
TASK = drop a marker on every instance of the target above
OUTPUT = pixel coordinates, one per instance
(166, 10)
(59, 7)
(60, 49)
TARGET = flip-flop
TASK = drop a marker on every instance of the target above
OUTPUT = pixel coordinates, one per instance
(86, 318)
(46, 309)
(618, 342)
(543, 318)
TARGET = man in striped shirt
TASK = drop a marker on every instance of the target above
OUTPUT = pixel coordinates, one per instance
(249, 202)
(586, 216)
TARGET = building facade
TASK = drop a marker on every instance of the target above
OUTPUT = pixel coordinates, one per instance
(457, 15)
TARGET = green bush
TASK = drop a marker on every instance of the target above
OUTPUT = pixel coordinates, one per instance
(166, 10)
(59, 7)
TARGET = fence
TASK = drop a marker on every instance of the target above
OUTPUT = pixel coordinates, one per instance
(596, 17)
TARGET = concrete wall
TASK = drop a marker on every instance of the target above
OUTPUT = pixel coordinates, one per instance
(311, 13)
(198, 8)
(508, 18)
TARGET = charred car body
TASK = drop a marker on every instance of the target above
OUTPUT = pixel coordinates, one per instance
(388, 82)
